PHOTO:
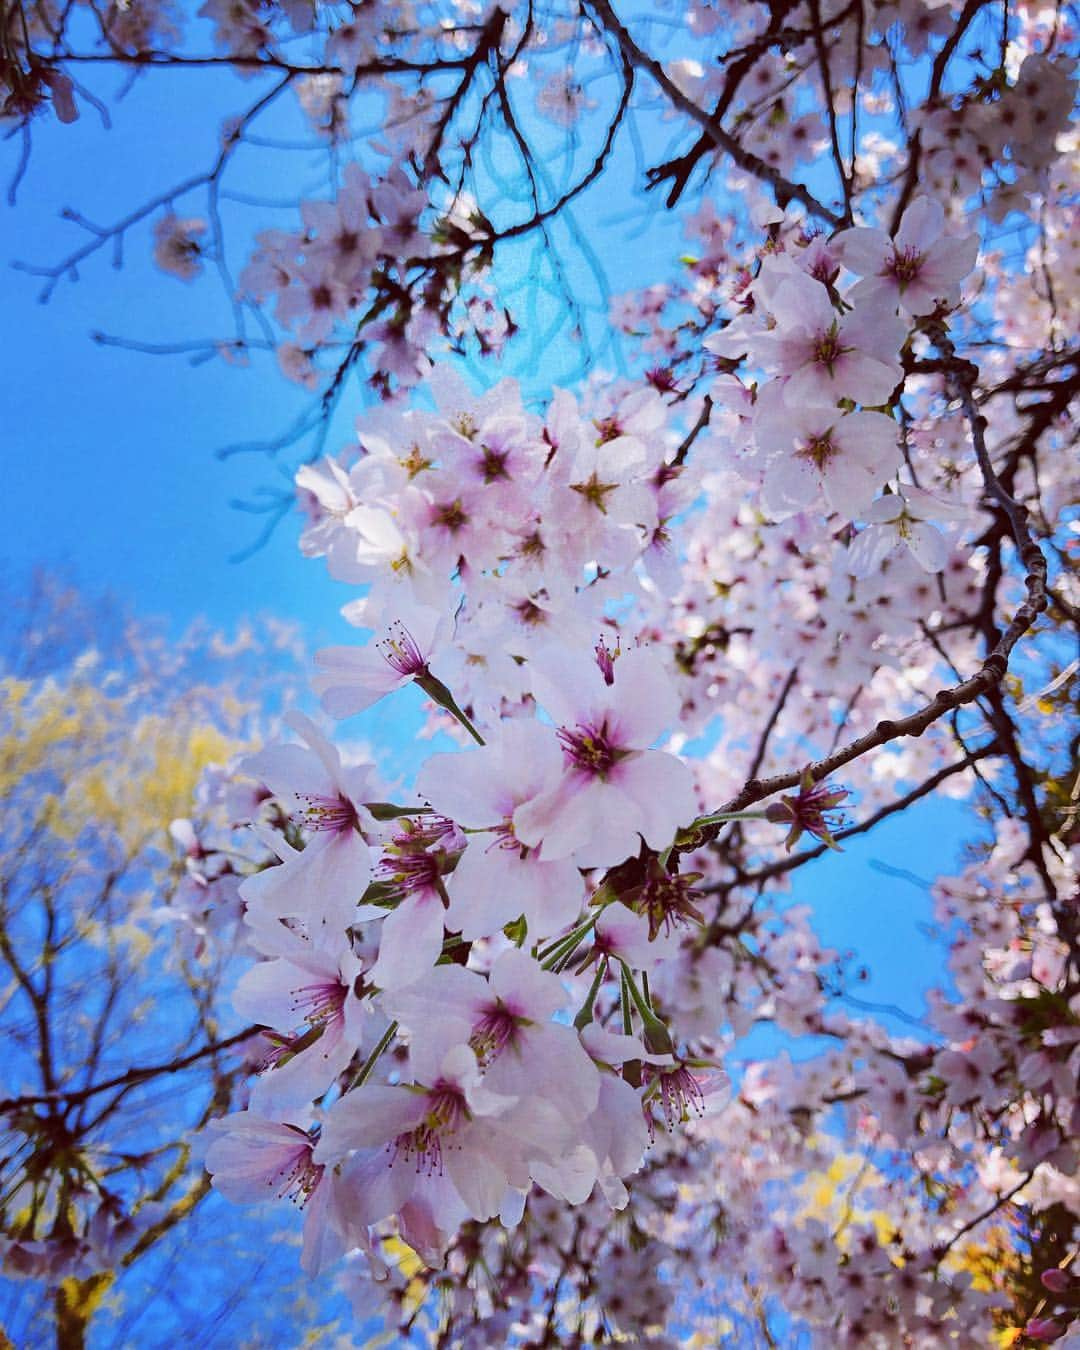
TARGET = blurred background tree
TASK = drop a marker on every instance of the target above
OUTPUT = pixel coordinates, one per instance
(117, 929)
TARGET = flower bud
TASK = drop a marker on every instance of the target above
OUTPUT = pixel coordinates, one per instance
(1043, 1329)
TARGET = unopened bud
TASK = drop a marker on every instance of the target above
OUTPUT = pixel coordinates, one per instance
(1043, 1329)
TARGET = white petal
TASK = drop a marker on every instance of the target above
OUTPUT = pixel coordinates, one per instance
(572, 1179)
(870, 547)
(465, 786)
(367, 1118)
(791, 484)
(512, 1209)
(802, 303)
(921, 224)
(862, 251)
(478, 1179)
(556, 820)
(927, 545)
(353, 679)
(525, 988)
(865, 379)
(850, 487)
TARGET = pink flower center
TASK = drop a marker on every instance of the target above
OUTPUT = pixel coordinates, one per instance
(590, 749)
(452, 516)
(493, 463)
(662, 379)
(827, 348)
(529, 613)
(411, 872)
(336, 815)
(494, 1031)
(399, 649)
(319, 1003)
(446, 1112)
(297, 1176)
(905, 265)
(424, 1145)
(679, 1093)
(818, 450)
(608, 429)
(505, 838)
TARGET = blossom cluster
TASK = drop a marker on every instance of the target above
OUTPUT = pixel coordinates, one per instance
(510, 986)
(499, 1093)
(818, 425)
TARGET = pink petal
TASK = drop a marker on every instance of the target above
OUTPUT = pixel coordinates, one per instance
(410, 941)
(662, 788)
(645, 702)
(371, 1116)
(921, 224)
(863, 251)
(927, 545)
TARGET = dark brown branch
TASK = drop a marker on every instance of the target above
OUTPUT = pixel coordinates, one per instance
(924, 789)
(992, 671)
(131, 1078)
(679, 170)
(784, 189)
(942, 1251)
(774, 717)
(117, 231)
(695, 431)
(830, 106)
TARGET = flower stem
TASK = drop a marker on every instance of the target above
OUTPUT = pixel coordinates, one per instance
(569, 941)
(435, 689)
(657, 1037)
(585, 1013)
(373, 1059)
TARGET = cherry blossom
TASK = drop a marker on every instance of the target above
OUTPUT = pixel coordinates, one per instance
(613, 787)
(813, 450)
(176, 244)
(499, 878)
(902, 519)
(506, 1019)
(254, 1159)
(806, 514)
(327, 795)
(920, 268)
(308, 993)
(453, 1147)
(352, 679)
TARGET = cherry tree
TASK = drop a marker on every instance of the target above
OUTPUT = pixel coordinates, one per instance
(119, 938)
(803, 561)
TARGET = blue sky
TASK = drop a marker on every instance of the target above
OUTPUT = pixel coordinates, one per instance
(111, 463)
